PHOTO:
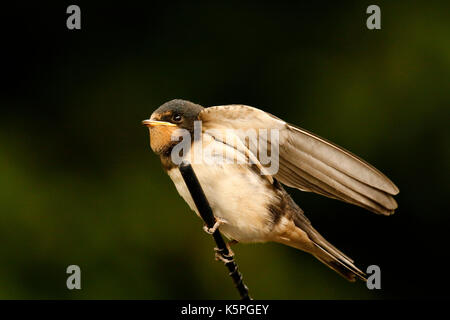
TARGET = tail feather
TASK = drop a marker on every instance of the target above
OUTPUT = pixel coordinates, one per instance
(319, 247)
(326, 252)
(345, 268)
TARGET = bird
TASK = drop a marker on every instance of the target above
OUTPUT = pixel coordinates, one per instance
(250, 202)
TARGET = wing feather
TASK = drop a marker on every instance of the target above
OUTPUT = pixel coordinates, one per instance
(309, 162)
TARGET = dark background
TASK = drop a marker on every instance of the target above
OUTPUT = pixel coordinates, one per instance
(80, 185)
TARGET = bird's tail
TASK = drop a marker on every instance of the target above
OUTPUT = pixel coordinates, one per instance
(334, 258)
(345, 268)
(303, 236)
(326, 252)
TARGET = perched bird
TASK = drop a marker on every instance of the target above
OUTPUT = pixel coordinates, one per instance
(249, 202)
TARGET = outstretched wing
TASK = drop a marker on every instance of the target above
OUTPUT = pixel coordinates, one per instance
(309, 162)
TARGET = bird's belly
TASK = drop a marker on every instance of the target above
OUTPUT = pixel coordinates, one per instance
(237, 195)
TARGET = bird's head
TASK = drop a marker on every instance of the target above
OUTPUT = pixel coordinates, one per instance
(164, 121)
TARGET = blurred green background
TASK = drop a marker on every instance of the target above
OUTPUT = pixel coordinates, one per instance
(80, 185)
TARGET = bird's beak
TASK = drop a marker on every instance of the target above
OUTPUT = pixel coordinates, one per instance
(154, 123)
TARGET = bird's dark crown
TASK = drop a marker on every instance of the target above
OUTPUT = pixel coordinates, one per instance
(180, 112)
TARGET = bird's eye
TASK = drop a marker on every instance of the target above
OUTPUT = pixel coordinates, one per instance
(176, 117)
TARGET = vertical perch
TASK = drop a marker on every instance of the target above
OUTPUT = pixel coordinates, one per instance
(206, 213)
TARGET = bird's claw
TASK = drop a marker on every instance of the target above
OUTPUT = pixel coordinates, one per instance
(214, 227)
(221, 256)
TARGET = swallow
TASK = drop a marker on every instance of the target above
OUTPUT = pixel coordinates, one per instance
(250, 204)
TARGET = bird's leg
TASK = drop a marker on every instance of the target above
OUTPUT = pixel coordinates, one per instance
(220, 254)
(216, 225)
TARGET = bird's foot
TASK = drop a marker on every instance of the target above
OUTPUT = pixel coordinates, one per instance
(216, 225)
(221, 256)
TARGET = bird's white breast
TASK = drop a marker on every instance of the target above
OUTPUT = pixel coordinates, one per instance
(235, 193)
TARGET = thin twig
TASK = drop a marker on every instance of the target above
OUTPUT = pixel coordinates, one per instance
(207, 215)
